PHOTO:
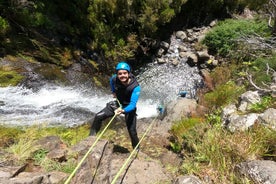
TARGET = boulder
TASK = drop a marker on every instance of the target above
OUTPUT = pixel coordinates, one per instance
(268, 118)
(258, 171)
(248, 98)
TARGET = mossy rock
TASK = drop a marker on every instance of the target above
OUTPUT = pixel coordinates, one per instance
(10, 78)
(52, 73)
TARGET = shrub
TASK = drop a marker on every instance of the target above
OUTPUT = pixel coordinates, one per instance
(266, 101)
(258, 69)
(4, 26)
(223, 95)
(222, 38)
(214, 150)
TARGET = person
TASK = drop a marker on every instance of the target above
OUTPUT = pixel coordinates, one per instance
(126, 90)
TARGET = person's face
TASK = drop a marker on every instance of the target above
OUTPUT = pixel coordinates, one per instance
(123, 75)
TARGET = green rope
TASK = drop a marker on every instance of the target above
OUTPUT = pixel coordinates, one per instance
(87, 153)
(134, 150)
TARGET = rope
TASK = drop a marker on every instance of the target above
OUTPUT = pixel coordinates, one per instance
(90, 149)
(134, 150)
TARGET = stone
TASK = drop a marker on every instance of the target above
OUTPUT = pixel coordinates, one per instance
(189, 179)
(258, 171)
(181, 35)
(268, 118)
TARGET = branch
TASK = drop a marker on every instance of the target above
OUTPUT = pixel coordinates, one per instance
(273, 2)
(269, 22)
(249, 77)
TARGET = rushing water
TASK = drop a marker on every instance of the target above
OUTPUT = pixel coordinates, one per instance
(75, 105)
(56, 105)
(70, 106)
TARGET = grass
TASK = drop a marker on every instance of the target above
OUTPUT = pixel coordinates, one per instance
(22, 150)
(20, 145)
(209, 150)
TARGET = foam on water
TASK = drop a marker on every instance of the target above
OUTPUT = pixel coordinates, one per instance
(57, 105)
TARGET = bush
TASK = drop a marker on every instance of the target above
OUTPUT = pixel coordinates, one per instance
(213, 150)
(223, 95)
(223, 38)
(4, 26)
(258, 70)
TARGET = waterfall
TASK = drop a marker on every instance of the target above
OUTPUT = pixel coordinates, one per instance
(57, 105)
(75, 105)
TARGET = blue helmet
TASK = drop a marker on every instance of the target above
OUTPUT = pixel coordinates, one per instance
(123, 66)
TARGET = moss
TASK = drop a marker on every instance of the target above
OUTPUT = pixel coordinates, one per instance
(95, 65)
(9, 78)
(8, 135)
(97, 82)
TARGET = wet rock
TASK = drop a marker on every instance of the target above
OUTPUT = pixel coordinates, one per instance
(181, 35)
(192, 58)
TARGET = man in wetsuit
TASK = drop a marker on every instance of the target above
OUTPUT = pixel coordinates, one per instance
(126, 89)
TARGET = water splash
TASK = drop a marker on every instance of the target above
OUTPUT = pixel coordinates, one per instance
(57, 105)
(163, 82)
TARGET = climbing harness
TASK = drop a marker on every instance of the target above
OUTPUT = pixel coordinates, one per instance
(90, 149)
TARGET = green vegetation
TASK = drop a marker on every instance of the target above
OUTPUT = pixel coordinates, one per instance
(113, 28)
(209, 148)
(266, 102)
(21, 145)
(260, 69)
(22, 150)
(9, 78)
(224, 94)
(4, 26)
(223, 38)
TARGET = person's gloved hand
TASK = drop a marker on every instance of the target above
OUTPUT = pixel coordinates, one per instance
(119, 111)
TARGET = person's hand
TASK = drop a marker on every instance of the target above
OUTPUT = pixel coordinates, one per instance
(119, 111)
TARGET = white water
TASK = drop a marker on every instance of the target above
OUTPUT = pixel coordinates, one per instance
(56, 105)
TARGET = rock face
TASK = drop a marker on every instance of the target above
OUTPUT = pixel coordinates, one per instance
(259, 171)
(237, 118)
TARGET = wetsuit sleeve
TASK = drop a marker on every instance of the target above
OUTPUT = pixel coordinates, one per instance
(112, 85)
(133, 99)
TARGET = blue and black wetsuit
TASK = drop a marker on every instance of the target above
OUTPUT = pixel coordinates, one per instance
(128, 97)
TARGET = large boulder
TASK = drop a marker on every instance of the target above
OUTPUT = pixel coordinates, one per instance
(258, 171)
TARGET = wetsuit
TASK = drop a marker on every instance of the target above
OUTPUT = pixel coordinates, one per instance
(128, 97)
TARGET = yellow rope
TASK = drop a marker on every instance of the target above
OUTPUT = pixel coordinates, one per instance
(90, 149)
(134, 150)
